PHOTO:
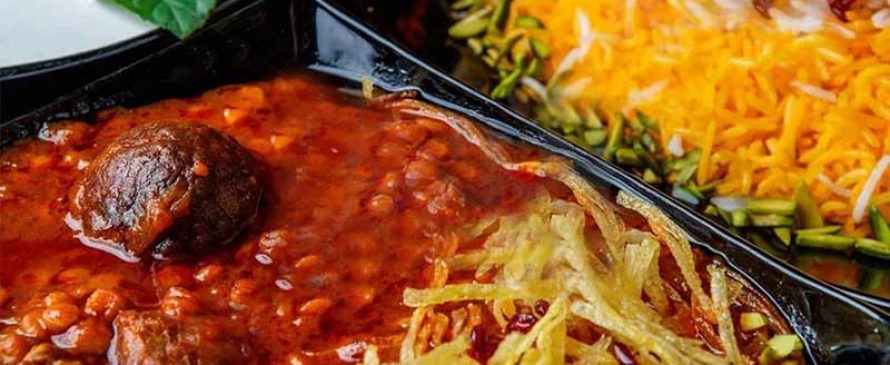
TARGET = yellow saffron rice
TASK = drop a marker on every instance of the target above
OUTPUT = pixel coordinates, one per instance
(768, 101)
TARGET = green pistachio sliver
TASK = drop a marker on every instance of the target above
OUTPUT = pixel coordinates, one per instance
(506, 86)
(464, 4)
(686, 173)
(709, 187)
(535, 69)
(739, 218)
(783, 234)
(712, 210)
(636, 125)
(693, 188)
(779, 347)
(649, 142)
(690, 158)
(471, 25)
(648, 159)
(820, 230)
(528, 22)
(870, 279)
(616, 132)
(770, 220)
(648, 122)
(873, 248)
(578, 141)
(651, 177)
(808, 215)
(499, 18)
(507, 48)
(595, 137)
(475, 45)
(772, 206)
(627, 156)
(750, 321)
(879, 225)
(727, 216)
(539, 48)
(591, 119)
(825, 241)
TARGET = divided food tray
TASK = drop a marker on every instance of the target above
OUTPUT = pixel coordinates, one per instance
(260, 39)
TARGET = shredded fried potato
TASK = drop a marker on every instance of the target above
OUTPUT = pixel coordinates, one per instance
(543, 252)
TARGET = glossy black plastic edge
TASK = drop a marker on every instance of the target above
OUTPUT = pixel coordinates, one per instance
(818, 312)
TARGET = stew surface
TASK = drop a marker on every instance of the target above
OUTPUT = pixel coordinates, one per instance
(358, 203)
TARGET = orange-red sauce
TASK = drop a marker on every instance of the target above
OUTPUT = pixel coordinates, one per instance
(356, 205)
(358, 202)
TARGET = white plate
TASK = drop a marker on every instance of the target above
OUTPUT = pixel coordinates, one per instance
(39, 30)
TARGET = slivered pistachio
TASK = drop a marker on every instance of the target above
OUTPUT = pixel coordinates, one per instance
(475, 45)
(499, 18)
(685, 174)
(627, 156)
(636, 125)
(464, 4)
(783, 234)
(616, 132)
(506, 86)
(535, 69)
(825, 241)
(771, 220)
(709, 187)
(651, 177)
(648, 122)
(870, 279)
(517, 53)
(727, 216)
(872, 248)
(506, 48)
(750, 321)
(539, 48)
(739, 218)
(591, 119)
(649, 142)
(471, 25)
(712, 210)
(779, 347)
(879, 224)
(578, 141)
(686, 166)
(772, 206)
(820, 230)
(595, 137)
(528, 22)
(808, 215)
(693, 188)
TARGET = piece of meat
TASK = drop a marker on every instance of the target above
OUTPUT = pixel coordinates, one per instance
(169, 189)
(149, 338)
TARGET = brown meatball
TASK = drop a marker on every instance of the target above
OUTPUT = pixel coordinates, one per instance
(168, 189)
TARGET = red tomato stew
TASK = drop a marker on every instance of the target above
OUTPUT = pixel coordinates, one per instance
(286, 222)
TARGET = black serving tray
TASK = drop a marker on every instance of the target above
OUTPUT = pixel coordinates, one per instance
(261, 39)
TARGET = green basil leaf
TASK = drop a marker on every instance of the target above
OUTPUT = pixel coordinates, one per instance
(180, 17)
